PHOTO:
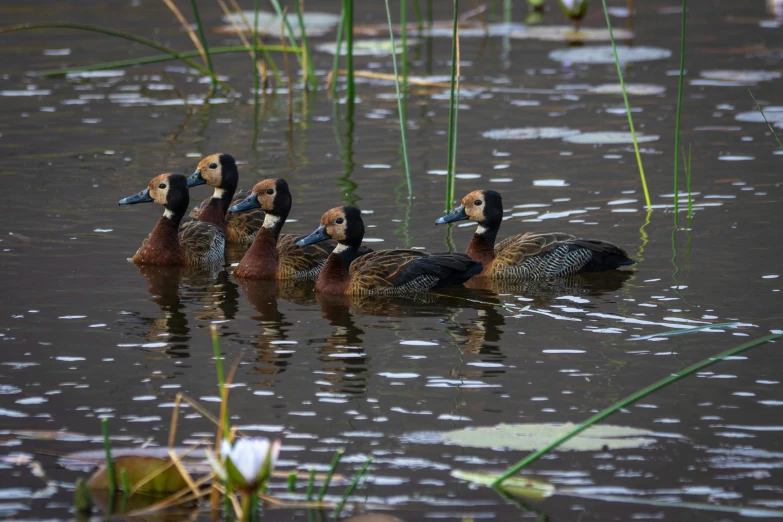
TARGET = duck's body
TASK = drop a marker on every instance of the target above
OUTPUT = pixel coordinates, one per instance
(220, 171)
(386, 272)
(171, 242)
(529, 255)
(274, 255)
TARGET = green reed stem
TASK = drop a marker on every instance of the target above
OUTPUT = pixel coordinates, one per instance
(627, 108)
(203, 38)
(338, 47)
(292, 482)
(507, 11)
(311, 484)
(598, 417)
(290, 30)
(347, 493)
(430, 17)
(256, 74)
(309, 71)
(109, 461)
(399, 104)
(126, 487)
(766, 120)
(350, 80)
(677, 121)
(119, 34)
(688, 179)
(419, 16)
(404, 42)
(221, 379)
(335, 461)
(453, 108)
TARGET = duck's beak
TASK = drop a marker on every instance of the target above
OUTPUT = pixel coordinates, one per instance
(457, 215)
(316, 237)
(141, 197)
(249, 203)
(195, 179)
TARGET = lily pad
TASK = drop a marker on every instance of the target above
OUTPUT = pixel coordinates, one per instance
(609, 138)
(444, 29)
(315, 23)
(773, 114)
(741, 76)
(521, 487)
(566, 33)
(603, 54)
(167, 480)
(530, 437)
(378, 47)
(636, 89)
(530, 133)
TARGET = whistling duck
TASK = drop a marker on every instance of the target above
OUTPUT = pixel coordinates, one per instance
(529, 255)
(386, 272)
(273, 255)
(220, 171)
(171, 242)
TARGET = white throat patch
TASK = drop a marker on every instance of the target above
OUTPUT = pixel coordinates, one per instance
(340, 248)
(271, 221)
(168, 214)
(480, 230)
(218, 193)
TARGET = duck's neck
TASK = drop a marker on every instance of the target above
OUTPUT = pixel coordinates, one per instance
(162, 246)
(334, 277)
(261, 261)
(482, 246)
(217, 206)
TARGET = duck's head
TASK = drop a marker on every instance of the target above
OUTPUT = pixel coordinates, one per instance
(169, 190)
(216, 170)
(485, 207)
(343, 224)
(270, 195)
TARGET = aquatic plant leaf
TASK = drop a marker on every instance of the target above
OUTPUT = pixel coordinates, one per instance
(378, 47)
(138, 468)
(520, 487)
(315, 23)
(636, 89)
(529, 437)
(566, 33)
(741, 76)
(530, 133)
(603, 54)
(609, 138)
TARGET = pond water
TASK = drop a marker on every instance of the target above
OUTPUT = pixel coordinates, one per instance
(86, 335)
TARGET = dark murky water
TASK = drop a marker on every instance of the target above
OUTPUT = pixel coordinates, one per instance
(85, 334)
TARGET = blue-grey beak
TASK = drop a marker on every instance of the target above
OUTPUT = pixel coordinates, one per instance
(249, 203)
(457, 215)
(195, 179)
(316, 237)
(141, 197)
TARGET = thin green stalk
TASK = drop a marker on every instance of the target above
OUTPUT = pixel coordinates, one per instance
(338, 46)
(221, 379)
(203, 37)
(306, 48)
(686, 160)
(765, 120)
(311, 484)
(347, 493)
(399, 105)
(351, 83)
(507, 11)
(110, 32)
(419, 16)
(677, 121)
(453, 108)
(290, 31)
(292, 482)
(404, 43)
(335, 461)
(256, 74)
(126, 487)
(627, 108)
(109, 461)
(628, 401)
(430, 17)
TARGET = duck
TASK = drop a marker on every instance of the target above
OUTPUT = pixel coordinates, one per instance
(384, 272)
(220, 171)
(529, 255)
(275, 256)
(171, 242)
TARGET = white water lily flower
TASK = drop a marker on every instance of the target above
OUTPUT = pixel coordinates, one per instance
(248, 462)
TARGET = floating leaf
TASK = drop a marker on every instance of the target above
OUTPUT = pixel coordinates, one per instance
(603, 54)
(377, 47)
(138, 468)
(529, 437)
(522, 487)
(315, 23)
(530, 133)
(445, 29)
(566, 33)
(609, 138)
(636, 89)
(741, 76)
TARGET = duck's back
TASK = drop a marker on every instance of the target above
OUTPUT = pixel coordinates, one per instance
(203, 243)
(241, 227)
(301, 263)
(539, 256)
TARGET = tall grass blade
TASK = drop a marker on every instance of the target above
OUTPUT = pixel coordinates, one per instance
(241, 34)
(338, 51)
(677, 121)
(598, 417)
(188, 29)
(256, 75)
(627, 108)
(356, 478)
(349, 76)
(430, 16)
(335, 461)
(688, 181)
(258, 43)
(418, 14)
(309, 72)
(404, 42)
(220, 377)
(311, 484)
(119, 34)
(766, 120)
(453, 108)
(109, 461)
(203, 37)
(399, 104)
(303, 61)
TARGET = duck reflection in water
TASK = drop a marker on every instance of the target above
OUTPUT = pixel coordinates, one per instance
(272, 353)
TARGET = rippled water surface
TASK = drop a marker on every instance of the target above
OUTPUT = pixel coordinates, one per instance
(87, 335)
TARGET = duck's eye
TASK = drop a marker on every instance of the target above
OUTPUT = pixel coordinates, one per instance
(162, 186)
(477, 202)
(339, 221)
(213, 165)
(270, 191)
